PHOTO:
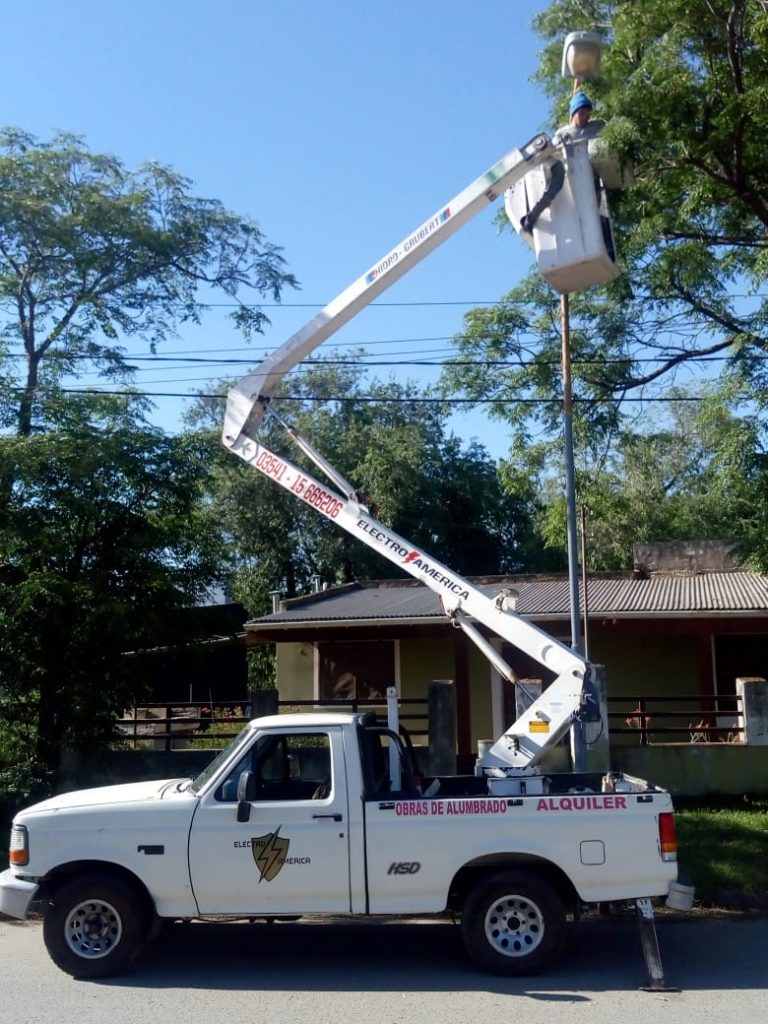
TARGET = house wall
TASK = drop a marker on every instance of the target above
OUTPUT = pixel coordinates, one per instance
(421, 662)
(647, 665)
(295, 671)
(480, 698)
(635, 665)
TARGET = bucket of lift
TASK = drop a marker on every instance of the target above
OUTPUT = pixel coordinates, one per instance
(560, 209)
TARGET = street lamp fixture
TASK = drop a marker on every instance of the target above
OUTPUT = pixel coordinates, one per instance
(581, 55)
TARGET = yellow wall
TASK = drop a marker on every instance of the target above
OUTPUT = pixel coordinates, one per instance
(296, 671)
(421, 662)
(634, 666)
(646, 666)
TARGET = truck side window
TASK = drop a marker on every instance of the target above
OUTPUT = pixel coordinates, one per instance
(287, 766)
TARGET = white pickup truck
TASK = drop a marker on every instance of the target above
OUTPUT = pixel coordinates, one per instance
(297, 816)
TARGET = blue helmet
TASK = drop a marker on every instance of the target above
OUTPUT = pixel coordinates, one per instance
(579, 100)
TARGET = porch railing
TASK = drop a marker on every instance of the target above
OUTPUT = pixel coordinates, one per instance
(677, 719)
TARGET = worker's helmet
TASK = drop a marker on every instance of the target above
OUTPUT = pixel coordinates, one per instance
(579, 101)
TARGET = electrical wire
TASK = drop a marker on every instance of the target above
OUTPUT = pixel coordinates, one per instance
(347, 399)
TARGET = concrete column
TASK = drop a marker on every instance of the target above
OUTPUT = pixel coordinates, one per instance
(441, 705)
(753, 717)
(263, 703)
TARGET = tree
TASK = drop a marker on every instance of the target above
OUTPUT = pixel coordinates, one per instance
(104, 535)
(92, 253)
(698, 473)
(393, 445)
(683, 88)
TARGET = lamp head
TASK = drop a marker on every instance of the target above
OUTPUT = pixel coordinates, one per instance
(581, 55)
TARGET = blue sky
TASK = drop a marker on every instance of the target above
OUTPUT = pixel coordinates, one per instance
(338, 125)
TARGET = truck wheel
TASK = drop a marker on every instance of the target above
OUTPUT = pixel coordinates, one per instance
(513, 923)
(95, 926)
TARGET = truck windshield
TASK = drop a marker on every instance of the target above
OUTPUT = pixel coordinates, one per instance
(221, 758)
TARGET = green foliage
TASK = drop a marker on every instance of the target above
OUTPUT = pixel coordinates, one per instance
(104, 533)
(696, 473)
(91, 253)
(444, 496)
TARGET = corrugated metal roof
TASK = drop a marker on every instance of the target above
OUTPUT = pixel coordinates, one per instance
(660, 594)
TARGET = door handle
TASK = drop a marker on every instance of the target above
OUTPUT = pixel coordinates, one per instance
(336, 817)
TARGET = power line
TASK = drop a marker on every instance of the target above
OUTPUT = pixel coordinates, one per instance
(417, 302)
(445, 361)
(374, 399)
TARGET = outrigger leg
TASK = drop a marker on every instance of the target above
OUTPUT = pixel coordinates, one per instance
(651, 954)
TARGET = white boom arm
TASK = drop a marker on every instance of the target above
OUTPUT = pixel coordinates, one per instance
(549, 717)
(247, 399)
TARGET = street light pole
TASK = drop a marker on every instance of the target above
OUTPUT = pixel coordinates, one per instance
(570, 477)
(578, 742)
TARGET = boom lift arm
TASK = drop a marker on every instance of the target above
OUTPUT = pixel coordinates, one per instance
(247, 400)
(548, 718)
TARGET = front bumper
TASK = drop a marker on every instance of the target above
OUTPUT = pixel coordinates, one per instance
(16, 895)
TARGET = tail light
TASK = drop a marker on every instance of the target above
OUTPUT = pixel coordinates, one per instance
(18, 851)
(667, 836)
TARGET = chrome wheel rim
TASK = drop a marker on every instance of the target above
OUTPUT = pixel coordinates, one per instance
(93, 929)
(514, 926)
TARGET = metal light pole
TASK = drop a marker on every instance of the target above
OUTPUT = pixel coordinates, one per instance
(578, 742)
(570, 477)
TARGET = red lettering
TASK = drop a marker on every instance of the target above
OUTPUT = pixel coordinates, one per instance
(270, 465)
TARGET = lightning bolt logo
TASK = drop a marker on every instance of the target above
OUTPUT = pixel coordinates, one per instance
(269, 853)
(411, 557)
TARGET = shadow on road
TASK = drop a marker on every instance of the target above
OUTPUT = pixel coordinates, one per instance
(397, 957)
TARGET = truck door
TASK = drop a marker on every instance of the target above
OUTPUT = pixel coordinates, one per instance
(292, 854)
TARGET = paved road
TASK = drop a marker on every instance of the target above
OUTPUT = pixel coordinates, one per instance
(391, 973)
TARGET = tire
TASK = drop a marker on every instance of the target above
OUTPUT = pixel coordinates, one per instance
(95, 926)
(513, 923)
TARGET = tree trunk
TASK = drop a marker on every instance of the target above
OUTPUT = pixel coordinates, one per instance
(28, 397)
(49, 727)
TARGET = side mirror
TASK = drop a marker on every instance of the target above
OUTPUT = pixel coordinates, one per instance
(244, 792)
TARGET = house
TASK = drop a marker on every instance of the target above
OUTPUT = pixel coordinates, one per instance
(686, 622)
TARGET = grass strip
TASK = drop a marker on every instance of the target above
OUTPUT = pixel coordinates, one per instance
(723, 850)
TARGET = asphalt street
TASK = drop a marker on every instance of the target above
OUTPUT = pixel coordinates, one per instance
(393, 973)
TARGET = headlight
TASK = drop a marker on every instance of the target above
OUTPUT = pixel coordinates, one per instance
(18, 852)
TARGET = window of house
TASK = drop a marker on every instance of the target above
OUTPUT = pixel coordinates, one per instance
(355, 671)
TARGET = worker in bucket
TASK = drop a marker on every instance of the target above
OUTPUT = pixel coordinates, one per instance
(579, 126)
(580, 109)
